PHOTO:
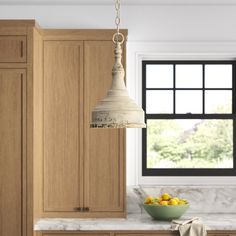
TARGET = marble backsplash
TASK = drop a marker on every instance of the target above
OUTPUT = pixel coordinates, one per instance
(202, 199)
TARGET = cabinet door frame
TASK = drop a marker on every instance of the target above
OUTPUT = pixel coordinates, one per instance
(47, 209)
(87, 132)
(83, 36)
(22, 76)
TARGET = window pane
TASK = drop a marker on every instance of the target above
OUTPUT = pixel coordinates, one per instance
(159, 101)
(189, 76)
(190, 144)
(218, 101)
(189, 101)
(218, 76)
(159, 76)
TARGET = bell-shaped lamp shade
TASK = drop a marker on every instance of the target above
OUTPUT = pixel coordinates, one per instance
(117, 109)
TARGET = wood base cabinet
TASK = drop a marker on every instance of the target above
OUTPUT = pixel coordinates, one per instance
(115, 233)
(169, 233)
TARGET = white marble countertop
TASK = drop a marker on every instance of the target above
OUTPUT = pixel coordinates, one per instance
(133, 222)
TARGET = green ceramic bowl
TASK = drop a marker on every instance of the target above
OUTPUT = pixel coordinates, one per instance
(158, 212)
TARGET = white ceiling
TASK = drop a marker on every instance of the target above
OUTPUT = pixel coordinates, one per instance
(123, 2)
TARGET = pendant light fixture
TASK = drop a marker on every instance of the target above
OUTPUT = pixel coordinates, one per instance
(117, 109)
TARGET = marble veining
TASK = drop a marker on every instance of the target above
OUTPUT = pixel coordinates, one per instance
(214, 205)
(134, 222)
(202, 199)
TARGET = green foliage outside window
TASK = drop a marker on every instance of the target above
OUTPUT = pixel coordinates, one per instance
(207, 144)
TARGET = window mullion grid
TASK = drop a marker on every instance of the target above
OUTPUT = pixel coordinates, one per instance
(193, 116)
(203, 88)
(188, 89)
(234, 111)
(174, 88)
(144, 131)
(234, 88)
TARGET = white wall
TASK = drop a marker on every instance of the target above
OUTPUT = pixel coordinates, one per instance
(145, 23)
(156, 30)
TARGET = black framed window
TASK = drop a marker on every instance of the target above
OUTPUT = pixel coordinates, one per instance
(190, 115)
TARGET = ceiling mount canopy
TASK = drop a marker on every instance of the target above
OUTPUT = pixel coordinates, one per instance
(117, 109)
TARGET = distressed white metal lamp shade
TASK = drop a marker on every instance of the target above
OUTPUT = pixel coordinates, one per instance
(117, 109)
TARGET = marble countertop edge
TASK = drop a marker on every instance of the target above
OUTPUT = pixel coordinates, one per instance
(134, 222)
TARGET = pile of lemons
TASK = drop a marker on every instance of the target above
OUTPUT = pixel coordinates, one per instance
(164, 200)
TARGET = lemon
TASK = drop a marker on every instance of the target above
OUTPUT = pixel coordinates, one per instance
(158, 199)
(164, 203)
(176, 199)
(148, 200)
(181, 202)
(156, 203)
(165, 196)
(173, 202)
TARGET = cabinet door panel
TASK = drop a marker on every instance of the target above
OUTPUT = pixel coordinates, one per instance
(12, 49)
(62, 72)
(221, 234)
(75, 234)
(167, 233)
(104, 148)
(12, 106)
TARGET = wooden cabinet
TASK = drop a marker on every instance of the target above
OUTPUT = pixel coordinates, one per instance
(83, 169)
(62, 125)
(12, 150)
(222, 234)
(16, 127)
(72, 234)
(104, 148)
(49, 82)
(77, 234)
(176, 233)
(161, 233)
(12, 48)
(130, 233)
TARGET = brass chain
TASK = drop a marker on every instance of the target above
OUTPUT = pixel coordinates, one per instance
(118, 37)
(117, 19)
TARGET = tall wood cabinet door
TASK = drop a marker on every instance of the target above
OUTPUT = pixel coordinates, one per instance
(12, 150)
(104, 148)
(62, 177)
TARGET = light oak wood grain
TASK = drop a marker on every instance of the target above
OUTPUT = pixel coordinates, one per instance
(38, 122)
(66, 182)
(12, 48)
(167, 233)
(104, 148)
(18, 23)
(16, 38)
(130, 233)
(81, 234)
(72, 233)
(12, 31)
(80, 34)
(62, 80)
(28, 173)
(12, 150)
